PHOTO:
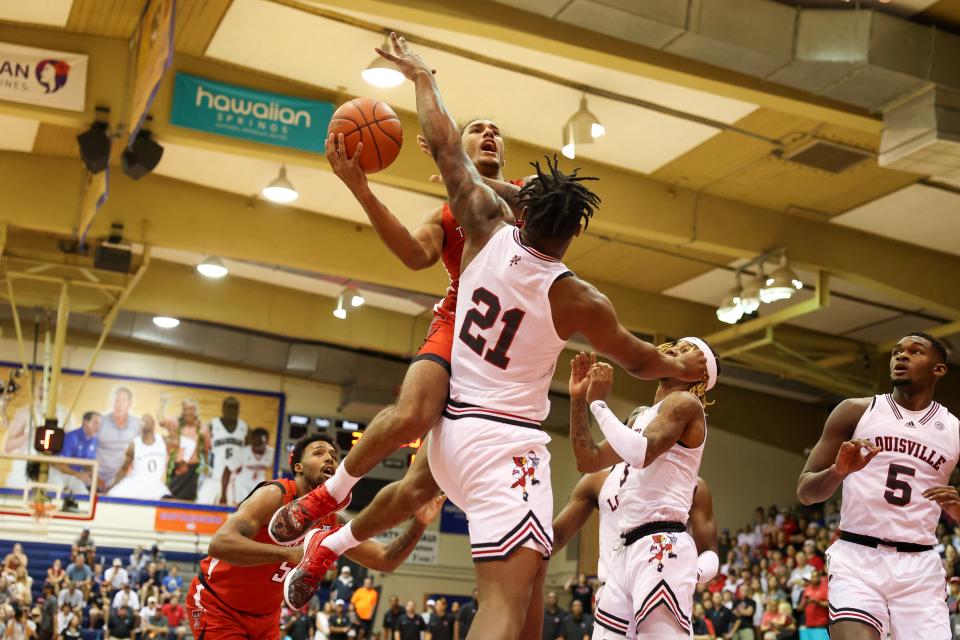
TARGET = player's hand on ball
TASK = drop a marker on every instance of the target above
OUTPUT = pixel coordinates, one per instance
(851, 456)
(428, 512)
(601, 381)
(694, 365)
(408, 62)
(579, 380)
(346, 168)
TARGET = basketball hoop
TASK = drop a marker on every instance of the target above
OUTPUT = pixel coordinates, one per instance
(41, 505)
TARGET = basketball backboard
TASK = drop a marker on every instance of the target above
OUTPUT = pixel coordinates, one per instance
(44, 487)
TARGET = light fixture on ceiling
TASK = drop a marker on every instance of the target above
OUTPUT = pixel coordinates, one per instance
(166, 322)
(340, 312)
(581, 128)
(782, 283)
(356, 298)
(750, 295)
(730, 309)
(280, 189)
(212, 267)
(381, 73)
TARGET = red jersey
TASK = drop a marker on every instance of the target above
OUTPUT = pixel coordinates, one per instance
(256, 590)
(452, 254)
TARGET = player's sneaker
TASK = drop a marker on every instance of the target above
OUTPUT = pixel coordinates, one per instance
(291, 522)
(304, 581)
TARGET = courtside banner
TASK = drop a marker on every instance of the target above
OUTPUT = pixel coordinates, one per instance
(248, 114)
(188, 520)
(43, 77)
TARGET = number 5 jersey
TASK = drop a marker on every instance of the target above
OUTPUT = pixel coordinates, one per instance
(919, 450)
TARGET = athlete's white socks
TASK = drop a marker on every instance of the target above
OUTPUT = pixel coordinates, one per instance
(341, 540)
(341, 484)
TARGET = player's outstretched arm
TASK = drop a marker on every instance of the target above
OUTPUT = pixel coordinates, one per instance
(418, 249)
(233, 542)
(835, 456)
(387, 557)
(577, 511)
(703, 528)
(677, 412)
(590, 456)
(579, 307)
(475, 205)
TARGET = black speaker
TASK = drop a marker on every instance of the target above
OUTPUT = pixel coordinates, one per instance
(142, 156)
(94, 146)
(111, 257)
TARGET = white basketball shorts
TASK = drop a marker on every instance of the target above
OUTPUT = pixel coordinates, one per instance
(659, 570)
(499, 474)
(903, 594)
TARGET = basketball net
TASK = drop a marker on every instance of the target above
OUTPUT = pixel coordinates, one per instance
(41, 507)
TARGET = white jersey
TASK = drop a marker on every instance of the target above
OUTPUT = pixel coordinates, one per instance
(608, 503)
(149, 460)
(255, 468)
(920, 450)
(662, 491)
(505, 347)
(226, 445)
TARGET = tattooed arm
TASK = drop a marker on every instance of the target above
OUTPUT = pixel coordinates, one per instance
(387, 557)
(233, 542)
(590, 456)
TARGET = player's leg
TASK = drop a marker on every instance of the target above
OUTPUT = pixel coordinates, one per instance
(918, 608)
(422, 398)
(849, 630)
(207, 621)
(533, 627)
(857, 611)
(662, 581)
(505, 591)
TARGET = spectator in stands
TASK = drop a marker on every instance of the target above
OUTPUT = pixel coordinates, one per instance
(79, 443)
(149, 609)
(21, 589)
(465, 618)
(176, 615)
(66, 616)
(440, 626)
(136, 559)
(154, 625)
(743, 609)
(701, 627)
(814, 605)
(56, 576)
(71, 595)
(118, 428)
(782, 625)
(581, 590)
(798, 578)
(719, 616)
(48, 626)
(410, 624)
(298, 627)
(364, 601)
(98, 611)
(126, 597)
(80, 574)
(115, 577)
(393, 613)
(15, 559)
(814, 557)
(429, 608)
(553, 617)
(84, 545)
(173, 582)
(20, 626)
(578, 624)
(121, 623)
(339, 622)
(72, 632)
(343, 586)
(149, 587)
(321, 622)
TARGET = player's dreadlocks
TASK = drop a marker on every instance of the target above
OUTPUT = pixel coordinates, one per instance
(698, 389)
(556, 203)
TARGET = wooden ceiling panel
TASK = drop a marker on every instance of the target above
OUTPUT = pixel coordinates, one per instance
(196, 24)
(108, 18)
(54, 140)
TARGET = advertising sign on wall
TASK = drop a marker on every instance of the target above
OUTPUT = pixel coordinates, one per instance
(43, 77)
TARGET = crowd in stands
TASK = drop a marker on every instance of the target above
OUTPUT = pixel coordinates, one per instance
(135, 597)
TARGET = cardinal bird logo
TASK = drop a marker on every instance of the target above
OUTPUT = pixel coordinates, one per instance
(524, 471)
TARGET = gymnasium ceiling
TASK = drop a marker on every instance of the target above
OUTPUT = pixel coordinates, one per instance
(687, 198)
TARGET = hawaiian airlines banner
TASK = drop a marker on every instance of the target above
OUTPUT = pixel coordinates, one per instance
(248, 114)
(43, 77)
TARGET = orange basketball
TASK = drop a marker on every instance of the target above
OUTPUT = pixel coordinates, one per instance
(374, 123)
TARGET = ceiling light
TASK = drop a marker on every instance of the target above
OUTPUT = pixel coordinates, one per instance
(280, 190)
(730, 309)
(166, 322)
(356, 298)
(340, 312)
(750, 296)
(382, 73)
(782, 283)
(212, 267)
(581, 128)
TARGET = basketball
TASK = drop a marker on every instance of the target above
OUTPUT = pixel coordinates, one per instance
(374, 123)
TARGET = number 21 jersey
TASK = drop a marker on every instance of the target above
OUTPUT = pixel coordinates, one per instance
(505, 346)
(919, 450)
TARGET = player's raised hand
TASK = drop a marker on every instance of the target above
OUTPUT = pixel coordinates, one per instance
(579, 380)
(694, 365)
(408, 62)
(428, 512)
(601, 381)
(851, 456)
(346, 168)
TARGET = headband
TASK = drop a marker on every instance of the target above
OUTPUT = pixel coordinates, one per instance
(711, 359)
